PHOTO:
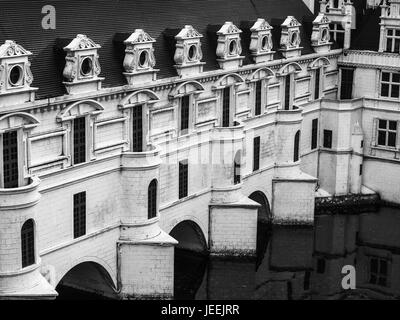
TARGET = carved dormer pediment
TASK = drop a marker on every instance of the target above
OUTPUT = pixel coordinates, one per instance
(229, 46)
(82, 66)
(290, 38)
(12, 49)
(390, 26)
(320, 37)
(15, 74)
(261, 45)
(139, 59)
(188, 53)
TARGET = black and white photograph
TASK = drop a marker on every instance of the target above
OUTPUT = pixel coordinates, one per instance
(180, 151)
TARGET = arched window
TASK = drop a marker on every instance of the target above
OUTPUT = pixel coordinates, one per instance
(28, 244)
(296, 146)
(236, 168)
(152, 199)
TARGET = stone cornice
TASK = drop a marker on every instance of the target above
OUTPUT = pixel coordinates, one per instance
(106, 94)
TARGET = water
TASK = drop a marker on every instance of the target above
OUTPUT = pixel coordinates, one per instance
(296, 263)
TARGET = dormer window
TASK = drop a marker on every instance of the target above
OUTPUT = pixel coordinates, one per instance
(188, 53)
(86, 67)
(82, 67)
(139, 61)
(233, 47)
(16, 76)
(229, 47)
(261, 41)
(290, 38)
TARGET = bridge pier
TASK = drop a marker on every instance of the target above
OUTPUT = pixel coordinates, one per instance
(232, 223)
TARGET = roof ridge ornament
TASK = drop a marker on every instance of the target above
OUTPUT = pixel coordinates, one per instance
(81, 42)
(10, 48)
(139, 36)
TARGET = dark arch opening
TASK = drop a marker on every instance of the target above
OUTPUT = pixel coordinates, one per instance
(190, 260)
(152, 199)
(263, 225)
(28, 243)
(189, 236)
(264, 212)
(296, 146)
(86, 281)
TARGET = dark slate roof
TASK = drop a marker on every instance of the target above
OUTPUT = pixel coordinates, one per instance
(109, 22)
(367, 33)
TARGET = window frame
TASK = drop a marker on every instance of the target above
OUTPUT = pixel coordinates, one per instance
(393, 38)
(152, 200)
(378, 274)
(387, 131)
(132, 122)
(189, 98)
(341, 95)
(328, 133)
(183, 176)
(29, 258)
(87, 139)
(314, 133)
(256, 155)
(77, 205)
(390, 84)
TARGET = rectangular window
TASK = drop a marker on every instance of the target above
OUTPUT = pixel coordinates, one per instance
(378, 271)
(346, 88)
(10, 159)
(337, 34)
(226, 101)
(321, 265)
(79, 140)
(137, 129)
(393, 40)
(256, 153)
(287, 91)
(183, 179)
(317, 83)
(314, 134)
(390, 84)
(361, 169)
(257, 110)
(79, 214)
(185, 100)
(387, 133)
(328, 139)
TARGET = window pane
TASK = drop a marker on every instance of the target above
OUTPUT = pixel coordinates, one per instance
(397, 33)
(372, 279)
(382, 281)
(395, 91)
(374, 265)
(392, 139)
(392, 125)
(385, 76)
(385, 90)
(382, 138)
(383, 270)
(382, 124)
(390, 32)
(396, 45)
(389, 45)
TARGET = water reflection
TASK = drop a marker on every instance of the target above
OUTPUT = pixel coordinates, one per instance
(303, 262)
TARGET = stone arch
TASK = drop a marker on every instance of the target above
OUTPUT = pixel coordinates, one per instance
(291, 67)
(17, 120)
(186, 88)
(190, 236)
(80, 108)
(139, 97)
(87, 259)
(261, 73)
(264, 211)
(321, 62)
(229, 79)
